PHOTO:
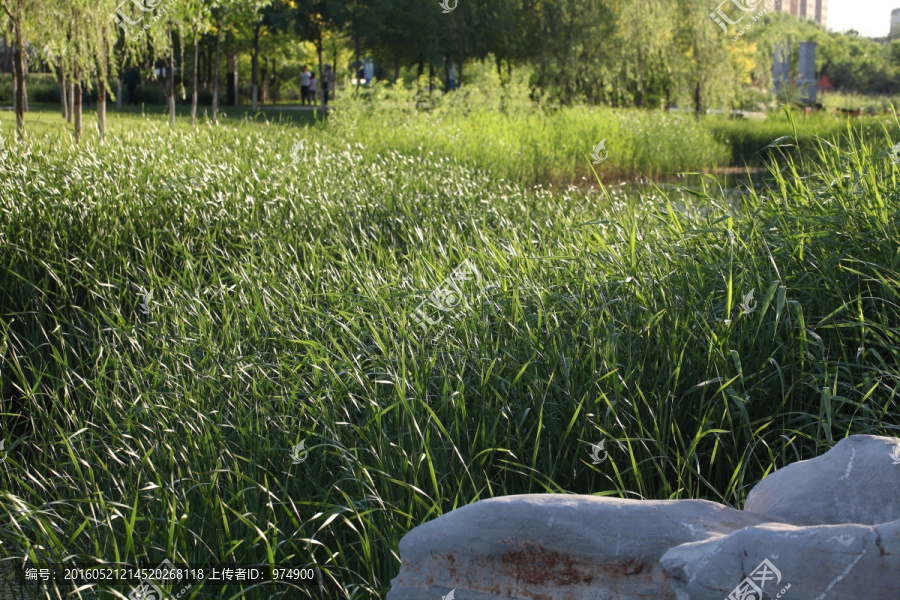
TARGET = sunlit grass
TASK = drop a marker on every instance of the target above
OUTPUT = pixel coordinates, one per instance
(179, 309)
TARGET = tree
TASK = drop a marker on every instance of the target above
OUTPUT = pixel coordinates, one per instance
(15, 10)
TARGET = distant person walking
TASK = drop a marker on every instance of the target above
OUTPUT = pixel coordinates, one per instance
(304, 86)
(132, 79)
(313, 88)
(452, 77)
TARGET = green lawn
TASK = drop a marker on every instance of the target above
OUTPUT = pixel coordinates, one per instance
(180, 309)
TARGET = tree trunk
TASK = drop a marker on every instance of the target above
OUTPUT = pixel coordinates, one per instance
(640, 79)
(319, 53)
(119, 92)
(697, 101)
(231, 94)
(77, 92)
(19, 60)
(101, 107)
(396, 69)
(215, 73)
(62, 91)
(332, 89)
(274, 81)
(170, 84)
(264, 83)
(71, 101)
(14, 85)
(460, 49)
(9, 64)
(254, 75)
(25, 87)
(446, 73)
(194, 78)
(356, 47)
(204, 59)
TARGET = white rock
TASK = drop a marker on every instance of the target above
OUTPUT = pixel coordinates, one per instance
(826, 562)
(555, 547)
(854, 482)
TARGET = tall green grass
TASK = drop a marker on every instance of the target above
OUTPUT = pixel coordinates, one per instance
(179, 309)
(751, 142)
(538, 146)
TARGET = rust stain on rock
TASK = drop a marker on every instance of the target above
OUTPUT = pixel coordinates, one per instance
(537, 566)
(631, 566)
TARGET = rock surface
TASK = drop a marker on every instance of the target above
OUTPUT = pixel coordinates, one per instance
(555, 547)
(854, 482)
(821, 529)
(833, 562)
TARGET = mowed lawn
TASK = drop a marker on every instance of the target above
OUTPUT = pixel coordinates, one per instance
(207, 353)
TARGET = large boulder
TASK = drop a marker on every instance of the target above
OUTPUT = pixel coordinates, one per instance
(826, 562)
(821, 529)
(556, 547)
(857, 481)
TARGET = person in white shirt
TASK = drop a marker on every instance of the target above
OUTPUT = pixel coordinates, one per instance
(304, 86)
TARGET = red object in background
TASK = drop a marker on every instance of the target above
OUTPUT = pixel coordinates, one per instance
(825, 84)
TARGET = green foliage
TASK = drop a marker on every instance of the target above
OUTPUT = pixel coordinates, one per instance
(751, 142)
(41, 88)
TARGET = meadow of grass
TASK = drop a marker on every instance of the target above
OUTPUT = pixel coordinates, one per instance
(869, 103)
(180, 308)
(497, 126)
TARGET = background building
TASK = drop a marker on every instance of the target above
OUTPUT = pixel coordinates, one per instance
(817, 10)
(895, 23)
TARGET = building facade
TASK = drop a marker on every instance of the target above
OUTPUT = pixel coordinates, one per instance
(817, 10)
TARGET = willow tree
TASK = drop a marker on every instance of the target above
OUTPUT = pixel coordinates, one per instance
(194, 15)
(21, 14)
(90, 42)
(706, 68)
(645, 34)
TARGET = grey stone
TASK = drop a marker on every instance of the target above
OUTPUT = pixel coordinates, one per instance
(826, 562)
(854, 482)
(555, 547)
